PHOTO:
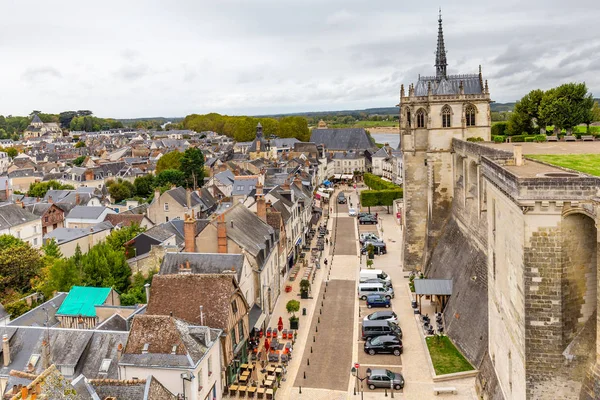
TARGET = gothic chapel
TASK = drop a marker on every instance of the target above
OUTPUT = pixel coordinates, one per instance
(436, 110)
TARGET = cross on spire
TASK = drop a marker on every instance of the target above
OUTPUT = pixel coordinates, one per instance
(440, 54)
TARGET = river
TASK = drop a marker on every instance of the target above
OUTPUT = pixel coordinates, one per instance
(392, 139)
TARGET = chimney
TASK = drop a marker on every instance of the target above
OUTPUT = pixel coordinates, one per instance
(147, 288)
(222, 234)
(89, 175)
(5, 350)
(188, 198)
(286, 184)
(45, 355)
(261, 207)
(120, 347)
(223, 167)
(189, 233)
(77, 199)
(20, 203)
(157, 194)
(7, 191)
(50, 201)
(185, 269)
(24, 392)
(518, 154)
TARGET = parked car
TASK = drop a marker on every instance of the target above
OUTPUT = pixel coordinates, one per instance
(378, 300)
(383, 344)
(368, 237)
(367, 219)
(384, 378)
(364, 214)
(352, 212)
(366, 289)
(378, 248)
(341, 199)
(382, 316)
(378, 280)
(371, 329)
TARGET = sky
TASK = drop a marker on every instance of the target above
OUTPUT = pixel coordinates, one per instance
(147, 58)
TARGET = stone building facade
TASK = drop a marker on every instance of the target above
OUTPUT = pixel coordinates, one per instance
(433, 112)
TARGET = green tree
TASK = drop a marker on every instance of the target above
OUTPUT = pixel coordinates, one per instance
(120, 190)
(526, 114)
(137, 292)
(51, 249)
(78, 161)
(143, 185)
(79, 144)
(118, 237)
(596, 112)
(192, 166)
(11, 152)
(171, 160)
(566, 106)
(19, 264)
(61, 276)
(39, 189)
(105, 267)
(170, 177)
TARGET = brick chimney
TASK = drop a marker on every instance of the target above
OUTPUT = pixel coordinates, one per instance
(50, 201)
(189, 233)
(261, 207)
(20, 203)
(77, 199)
(223, 167)
(222, 234)
(286, 184)
(45, 355)
(5, 350)
(7, 191)
(188, 198)
(119, 352)
(89, 175)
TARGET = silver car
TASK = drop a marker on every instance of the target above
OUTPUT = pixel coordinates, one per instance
(384, 378)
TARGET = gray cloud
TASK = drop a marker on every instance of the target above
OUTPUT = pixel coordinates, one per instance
(268, 56)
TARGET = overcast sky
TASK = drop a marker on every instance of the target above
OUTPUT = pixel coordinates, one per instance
(142, 58)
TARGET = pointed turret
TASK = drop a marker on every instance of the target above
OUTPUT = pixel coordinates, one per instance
(440, 54)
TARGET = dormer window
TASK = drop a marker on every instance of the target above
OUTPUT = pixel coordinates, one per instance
(105, 365)
(145, 348)
(67, 370)
(33, 360)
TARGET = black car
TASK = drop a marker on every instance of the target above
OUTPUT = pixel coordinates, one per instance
(342, 199)
(367, 219)
(384, 344)
(364, 214)
(378, 248)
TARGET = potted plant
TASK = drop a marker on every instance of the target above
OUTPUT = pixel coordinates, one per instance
(292, 307)
(371, 251)
(304, 288)
(369, 263)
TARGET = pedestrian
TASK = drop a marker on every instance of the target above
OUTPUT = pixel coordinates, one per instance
(376, 215)
(325, 262)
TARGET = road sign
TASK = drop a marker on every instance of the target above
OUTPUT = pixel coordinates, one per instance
(356, 365)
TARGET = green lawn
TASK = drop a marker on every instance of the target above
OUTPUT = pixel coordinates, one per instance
(445, 357)
(587, 163)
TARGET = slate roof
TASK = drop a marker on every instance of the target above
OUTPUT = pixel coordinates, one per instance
(124, 219)
(81, 301)
(14, 215)
(243, 186)
(36, 120)
(225, 177)
(113, 323)
(342, 139)
(87, 212)
(184, 294)
(449, 85)
(24, 172)
(161, 333)
(37, 316)
(433, 286)
(202, 263)
(142, 389)
(63, 235)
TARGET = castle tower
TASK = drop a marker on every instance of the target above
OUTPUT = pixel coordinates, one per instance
(436, 109)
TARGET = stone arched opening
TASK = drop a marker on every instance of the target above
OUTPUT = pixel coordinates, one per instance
(579, 272)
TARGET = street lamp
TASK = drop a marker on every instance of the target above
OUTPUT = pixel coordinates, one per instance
(358, 378)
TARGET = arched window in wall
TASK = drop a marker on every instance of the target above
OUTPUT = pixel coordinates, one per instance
(408, 117)
(446, 115)
(470, 115)
(421, 118)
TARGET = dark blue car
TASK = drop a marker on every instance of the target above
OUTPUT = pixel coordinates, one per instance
(377, 300)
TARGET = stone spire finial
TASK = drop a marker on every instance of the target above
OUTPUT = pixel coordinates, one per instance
(401, 90)
(429, 88)
(440, 54)
(487, 89)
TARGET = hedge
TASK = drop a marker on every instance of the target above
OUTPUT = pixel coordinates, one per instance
(499, 128)
(372, 198)
(475, 139)
(376, 183)
(498, 139)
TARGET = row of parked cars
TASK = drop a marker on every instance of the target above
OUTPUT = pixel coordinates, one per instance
(369, 238)
(380, 329)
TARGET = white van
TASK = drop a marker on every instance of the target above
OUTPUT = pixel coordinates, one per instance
(365, 289)
(373, 273)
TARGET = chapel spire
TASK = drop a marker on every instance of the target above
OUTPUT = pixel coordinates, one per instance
(440, 54)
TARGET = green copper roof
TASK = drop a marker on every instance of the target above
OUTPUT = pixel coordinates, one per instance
(81, 301)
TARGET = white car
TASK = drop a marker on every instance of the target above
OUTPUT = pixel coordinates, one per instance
(382, 315)
(352, 212)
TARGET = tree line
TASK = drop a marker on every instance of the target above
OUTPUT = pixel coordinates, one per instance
(243, 128)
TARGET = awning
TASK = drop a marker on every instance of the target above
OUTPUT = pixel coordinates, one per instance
(347, 176)
(298, 241)
(337, 176)
(433, 287)
(323, 194)
(256, 317)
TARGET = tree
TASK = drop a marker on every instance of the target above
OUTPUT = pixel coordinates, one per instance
(170, 177)
(566, 106)
(51, 249)
(119, 237)
(137, 292)
(79, 144)
(120, 190)
(168, 161)
(143, 185)
(66, 117)
(526, 114)
(192, 166)
(11, 152)
(292, 307)
(19, 264)
(596, 112)
(60, 276)
(103, 266)
(39, 189)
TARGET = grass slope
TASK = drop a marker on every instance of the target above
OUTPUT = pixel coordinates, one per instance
(445, 357)
(587, 163)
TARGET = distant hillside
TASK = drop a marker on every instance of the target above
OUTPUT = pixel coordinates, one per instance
(160, 120)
